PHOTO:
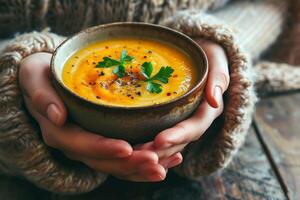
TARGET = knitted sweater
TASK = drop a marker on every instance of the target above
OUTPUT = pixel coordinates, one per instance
(22, 150)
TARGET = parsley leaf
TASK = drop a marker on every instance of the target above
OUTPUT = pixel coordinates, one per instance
(119, 69)
(147, 69)
(153, 87)
(163, 76)
(125, 58)
(107, 62)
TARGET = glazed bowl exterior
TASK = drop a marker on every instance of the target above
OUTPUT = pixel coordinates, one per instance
(133, 124)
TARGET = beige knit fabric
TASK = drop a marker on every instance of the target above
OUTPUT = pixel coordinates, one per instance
(59, 15)
(277, 77)
(22, 151)
(20, 138)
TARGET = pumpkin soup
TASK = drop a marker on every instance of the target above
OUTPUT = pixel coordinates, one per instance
(129, 72)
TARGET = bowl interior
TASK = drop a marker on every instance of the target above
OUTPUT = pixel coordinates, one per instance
(125, 30)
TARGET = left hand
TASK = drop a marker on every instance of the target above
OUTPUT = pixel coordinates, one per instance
(172, 141)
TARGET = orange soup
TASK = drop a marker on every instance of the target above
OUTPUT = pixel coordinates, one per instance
(129, 72)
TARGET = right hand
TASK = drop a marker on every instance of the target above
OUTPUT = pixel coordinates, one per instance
(111, 156)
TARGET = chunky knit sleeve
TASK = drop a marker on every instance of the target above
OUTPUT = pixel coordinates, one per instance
(64, 16)
(216, 148)
(67, 17)
(22, 150)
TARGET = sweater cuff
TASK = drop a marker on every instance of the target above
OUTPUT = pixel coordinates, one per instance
(276, 77)
(217, 146)
(22, 150)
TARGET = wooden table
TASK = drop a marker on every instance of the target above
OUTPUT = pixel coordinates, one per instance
(266, 167)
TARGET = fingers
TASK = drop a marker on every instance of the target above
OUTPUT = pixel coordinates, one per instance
(169, 157)
(141, 166)
(190, 129)
(218, 76)
(171, 161)
(162, 153)
(123, 166)
(167, 152)
(34, 79)
(147, 173)
(75, 140)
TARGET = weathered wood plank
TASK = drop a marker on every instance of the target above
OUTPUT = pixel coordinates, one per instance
(249, 176)
(278, 122)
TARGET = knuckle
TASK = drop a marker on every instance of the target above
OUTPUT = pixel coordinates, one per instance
(223, 78)
(194, 133)
(183, 129)
(38, 96)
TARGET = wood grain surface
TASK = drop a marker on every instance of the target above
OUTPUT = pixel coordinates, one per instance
(278, 123)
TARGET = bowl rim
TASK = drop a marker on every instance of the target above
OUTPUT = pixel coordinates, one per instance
(200, 82)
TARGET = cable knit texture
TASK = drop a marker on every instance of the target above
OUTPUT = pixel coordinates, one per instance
(22, 151)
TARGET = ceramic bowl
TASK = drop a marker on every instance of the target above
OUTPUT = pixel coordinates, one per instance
(133, 124)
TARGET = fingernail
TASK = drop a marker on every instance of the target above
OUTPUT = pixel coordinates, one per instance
(156, 177)
(174, 162)
(217, 95)
(53, 113)
(123, 154)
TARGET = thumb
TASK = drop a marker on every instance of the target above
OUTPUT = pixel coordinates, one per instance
(35, 81)
(218, 75)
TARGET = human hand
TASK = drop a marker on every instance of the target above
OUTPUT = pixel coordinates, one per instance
(173, 140)
(111, 156)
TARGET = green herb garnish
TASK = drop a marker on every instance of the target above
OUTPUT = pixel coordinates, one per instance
(119, 69)
(163, 76)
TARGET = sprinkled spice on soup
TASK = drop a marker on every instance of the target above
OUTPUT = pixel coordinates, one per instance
(129, 72)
